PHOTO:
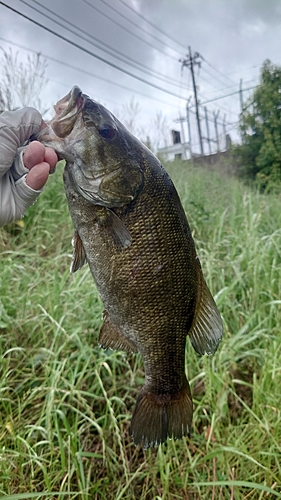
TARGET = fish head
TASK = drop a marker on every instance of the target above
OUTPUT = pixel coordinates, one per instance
(95, 145)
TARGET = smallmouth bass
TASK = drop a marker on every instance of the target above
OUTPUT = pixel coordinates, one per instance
(130, 227)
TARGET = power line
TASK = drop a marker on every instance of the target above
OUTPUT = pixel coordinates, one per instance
(190, 62)
(112, 64)
(212, 76)
(202, 68)
(245, 69)
(203, 95)
(81, 70)
(92, 53)
(217, 71)
(162, 32)
(144, 19)
(222, 108)
(227, 88)
(223, 96)
(169, 37)
(202, 118)
(126, 29)
(208, 77)
(102, 45)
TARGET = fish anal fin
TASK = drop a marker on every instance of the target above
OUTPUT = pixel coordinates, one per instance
(79, 256)
(158, 417)
(206, 331)
(110, 337)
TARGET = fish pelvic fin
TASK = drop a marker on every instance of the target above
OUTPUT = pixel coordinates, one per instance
(206, 331)
(158, 417)
(79, 256)
(110, 337)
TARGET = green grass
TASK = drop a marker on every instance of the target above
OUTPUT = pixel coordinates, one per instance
(66, 405)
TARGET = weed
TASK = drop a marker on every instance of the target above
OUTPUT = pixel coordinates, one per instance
(66, 404)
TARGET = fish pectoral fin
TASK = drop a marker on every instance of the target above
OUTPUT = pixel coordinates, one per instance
(119, 231)
(161, 416)
(79, 256)
(110, 337)
(206, 331)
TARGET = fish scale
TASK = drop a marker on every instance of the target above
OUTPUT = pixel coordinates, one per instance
(132, 231)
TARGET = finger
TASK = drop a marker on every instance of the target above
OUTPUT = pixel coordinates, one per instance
(33, 154)
(50, 157)
(38, 175)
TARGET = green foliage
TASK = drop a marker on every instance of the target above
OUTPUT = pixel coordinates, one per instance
(66, 404)
(260, 125)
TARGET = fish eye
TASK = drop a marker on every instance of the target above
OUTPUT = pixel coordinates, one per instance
(107, 132)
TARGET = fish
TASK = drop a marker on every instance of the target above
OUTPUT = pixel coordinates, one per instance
(132, 231)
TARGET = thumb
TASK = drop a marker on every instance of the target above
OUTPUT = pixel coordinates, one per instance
(38, 175)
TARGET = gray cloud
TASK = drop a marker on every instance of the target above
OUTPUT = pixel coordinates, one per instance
(234, 37)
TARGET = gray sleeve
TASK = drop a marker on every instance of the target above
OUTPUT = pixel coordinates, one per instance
(15, 195)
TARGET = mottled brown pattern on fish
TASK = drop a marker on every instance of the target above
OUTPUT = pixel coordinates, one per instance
(143, 260)
(153, 309)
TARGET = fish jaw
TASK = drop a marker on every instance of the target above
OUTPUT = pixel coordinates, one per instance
(68, 116)
(67, 111)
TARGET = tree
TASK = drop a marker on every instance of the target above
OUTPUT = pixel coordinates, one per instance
(129, 115)
(153, 134)
(160, 130)
(21, 83)
(260, 125)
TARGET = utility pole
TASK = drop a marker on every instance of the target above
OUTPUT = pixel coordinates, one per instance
(190, 62)
(188, 126)
(242, 107)
(207, 129)
(183, 154)
(224, 130)
(216, 115)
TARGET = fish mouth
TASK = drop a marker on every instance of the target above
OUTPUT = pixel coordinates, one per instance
(67, 110)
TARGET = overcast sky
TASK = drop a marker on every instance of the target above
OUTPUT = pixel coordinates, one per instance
(234, 37)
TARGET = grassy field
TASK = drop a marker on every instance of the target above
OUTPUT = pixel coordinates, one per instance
(66, 405)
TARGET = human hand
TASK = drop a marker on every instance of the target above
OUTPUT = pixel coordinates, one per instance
(39, 160)
(24, 170)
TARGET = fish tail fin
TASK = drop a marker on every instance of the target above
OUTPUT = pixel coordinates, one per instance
(161, 416)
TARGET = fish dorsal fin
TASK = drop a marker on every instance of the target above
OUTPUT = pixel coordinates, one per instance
(206, 331)
(79, 256)
(110, 337)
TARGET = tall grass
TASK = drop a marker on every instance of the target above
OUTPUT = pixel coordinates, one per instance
(66, 404)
